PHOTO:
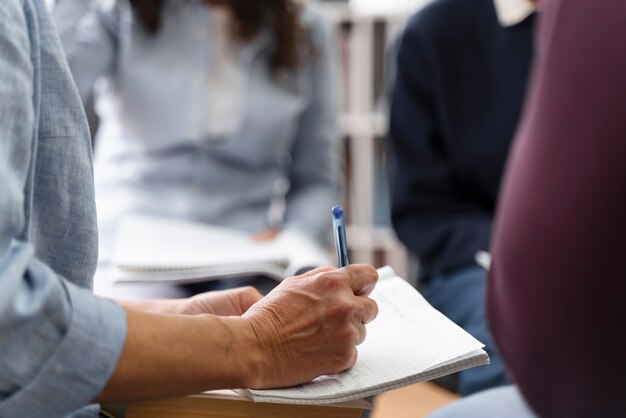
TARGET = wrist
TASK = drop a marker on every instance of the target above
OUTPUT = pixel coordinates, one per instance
(251, 362)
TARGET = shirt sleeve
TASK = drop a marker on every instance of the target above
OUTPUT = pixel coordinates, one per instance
(316, 155)
(89, 33)
(557, 291)
(436, 220)
(59, 343)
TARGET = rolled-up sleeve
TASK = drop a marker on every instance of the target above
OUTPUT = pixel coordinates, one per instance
(58, 343)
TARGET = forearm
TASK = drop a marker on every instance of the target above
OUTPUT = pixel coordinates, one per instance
(158, 306)
(171, 355)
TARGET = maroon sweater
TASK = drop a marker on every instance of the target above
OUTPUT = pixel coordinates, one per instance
(557, 292)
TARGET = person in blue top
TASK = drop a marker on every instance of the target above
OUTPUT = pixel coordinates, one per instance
(461, 74)
(64, 349)
(214, 111)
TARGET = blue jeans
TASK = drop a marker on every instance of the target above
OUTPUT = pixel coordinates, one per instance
(461, 297)
(494, 403)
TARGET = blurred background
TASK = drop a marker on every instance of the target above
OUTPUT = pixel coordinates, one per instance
(364, 33)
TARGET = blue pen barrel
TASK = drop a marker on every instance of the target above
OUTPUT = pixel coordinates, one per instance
(339, 232)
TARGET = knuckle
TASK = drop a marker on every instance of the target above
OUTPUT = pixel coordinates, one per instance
(328, 281)
(344, 360)
(351, 357)
(348, 334)
(343, 310)
(372, 309)
(361, 335)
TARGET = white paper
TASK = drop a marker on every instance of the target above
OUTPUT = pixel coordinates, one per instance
(186, 250)
(407, 338)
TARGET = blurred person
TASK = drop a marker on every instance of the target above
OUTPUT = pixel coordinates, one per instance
(64, 348)
(556, 298)
(217, 111)
(461, 74)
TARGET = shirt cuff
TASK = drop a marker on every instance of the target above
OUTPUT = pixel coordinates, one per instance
(83, 362)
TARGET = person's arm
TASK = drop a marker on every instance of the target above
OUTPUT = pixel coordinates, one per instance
(61, 345)
(557, 291)
(58, 343)
(229, 302)
(309, 325)
(314, 174)
(432, 217)
(89, 32)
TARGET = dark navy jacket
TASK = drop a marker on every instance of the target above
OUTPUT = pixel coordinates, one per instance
(457, 94)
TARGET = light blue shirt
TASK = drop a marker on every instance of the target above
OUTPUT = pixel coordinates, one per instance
(154, 154)
(58, 342)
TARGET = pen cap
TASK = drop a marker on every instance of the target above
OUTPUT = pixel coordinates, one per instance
(337, 212)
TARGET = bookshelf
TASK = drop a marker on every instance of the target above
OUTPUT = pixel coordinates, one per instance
(365, 38)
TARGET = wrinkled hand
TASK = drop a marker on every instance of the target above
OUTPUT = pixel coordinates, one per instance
(311, 324)
(231, 302)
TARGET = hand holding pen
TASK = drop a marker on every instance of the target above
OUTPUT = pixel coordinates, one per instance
(311, 324)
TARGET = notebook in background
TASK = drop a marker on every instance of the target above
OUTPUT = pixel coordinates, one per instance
(166, 250)
(409, 342)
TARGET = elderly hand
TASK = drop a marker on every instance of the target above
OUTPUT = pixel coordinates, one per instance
(308, 326)
(231, 302)
(311, 324)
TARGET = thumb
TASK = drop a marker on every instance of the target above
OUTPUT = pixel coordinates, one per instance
(247, 297)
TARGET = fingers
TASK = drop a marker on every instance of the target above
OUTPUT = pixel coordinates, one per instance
(361, 333)
(318, 270)
(248, 297)
(363, 278)
(367, 309)
(350, 361)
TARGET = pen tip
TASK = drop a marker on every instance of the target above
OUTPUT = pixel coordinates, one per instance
(337, 212)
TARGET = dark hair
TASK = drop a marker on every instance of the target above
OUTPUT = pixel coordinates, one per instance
(282, 16)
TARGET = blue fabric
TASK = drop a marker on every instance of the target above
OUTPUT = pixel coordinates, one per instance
(153, 153)
(59, 342)
(461, 297)
(494, 403)
(457, 93)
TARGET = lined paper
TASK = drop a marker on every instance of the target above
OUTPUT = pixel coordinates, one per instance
(409, 341)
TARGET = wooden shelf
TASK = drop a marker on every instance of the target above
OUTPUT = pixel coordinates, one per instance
(365, 39)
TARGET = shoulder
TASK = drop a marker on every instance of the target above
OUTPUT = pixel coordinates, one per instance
(445, 17)
(316, 23)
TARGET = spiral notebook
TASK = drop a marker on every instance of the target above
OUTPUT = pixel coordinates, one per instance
(409, 342)
(152, 249)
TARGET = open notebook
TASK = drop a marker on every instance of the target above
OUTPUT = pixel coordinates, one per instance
(409, 342)
(166, 250)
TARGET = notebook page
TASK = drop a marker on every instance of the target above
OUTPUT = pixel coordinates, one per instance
(151, 242)
(303, 252)
(408, 337)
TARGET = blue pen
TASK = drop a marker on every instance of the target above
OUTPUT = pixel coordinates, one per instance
(339, 230)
